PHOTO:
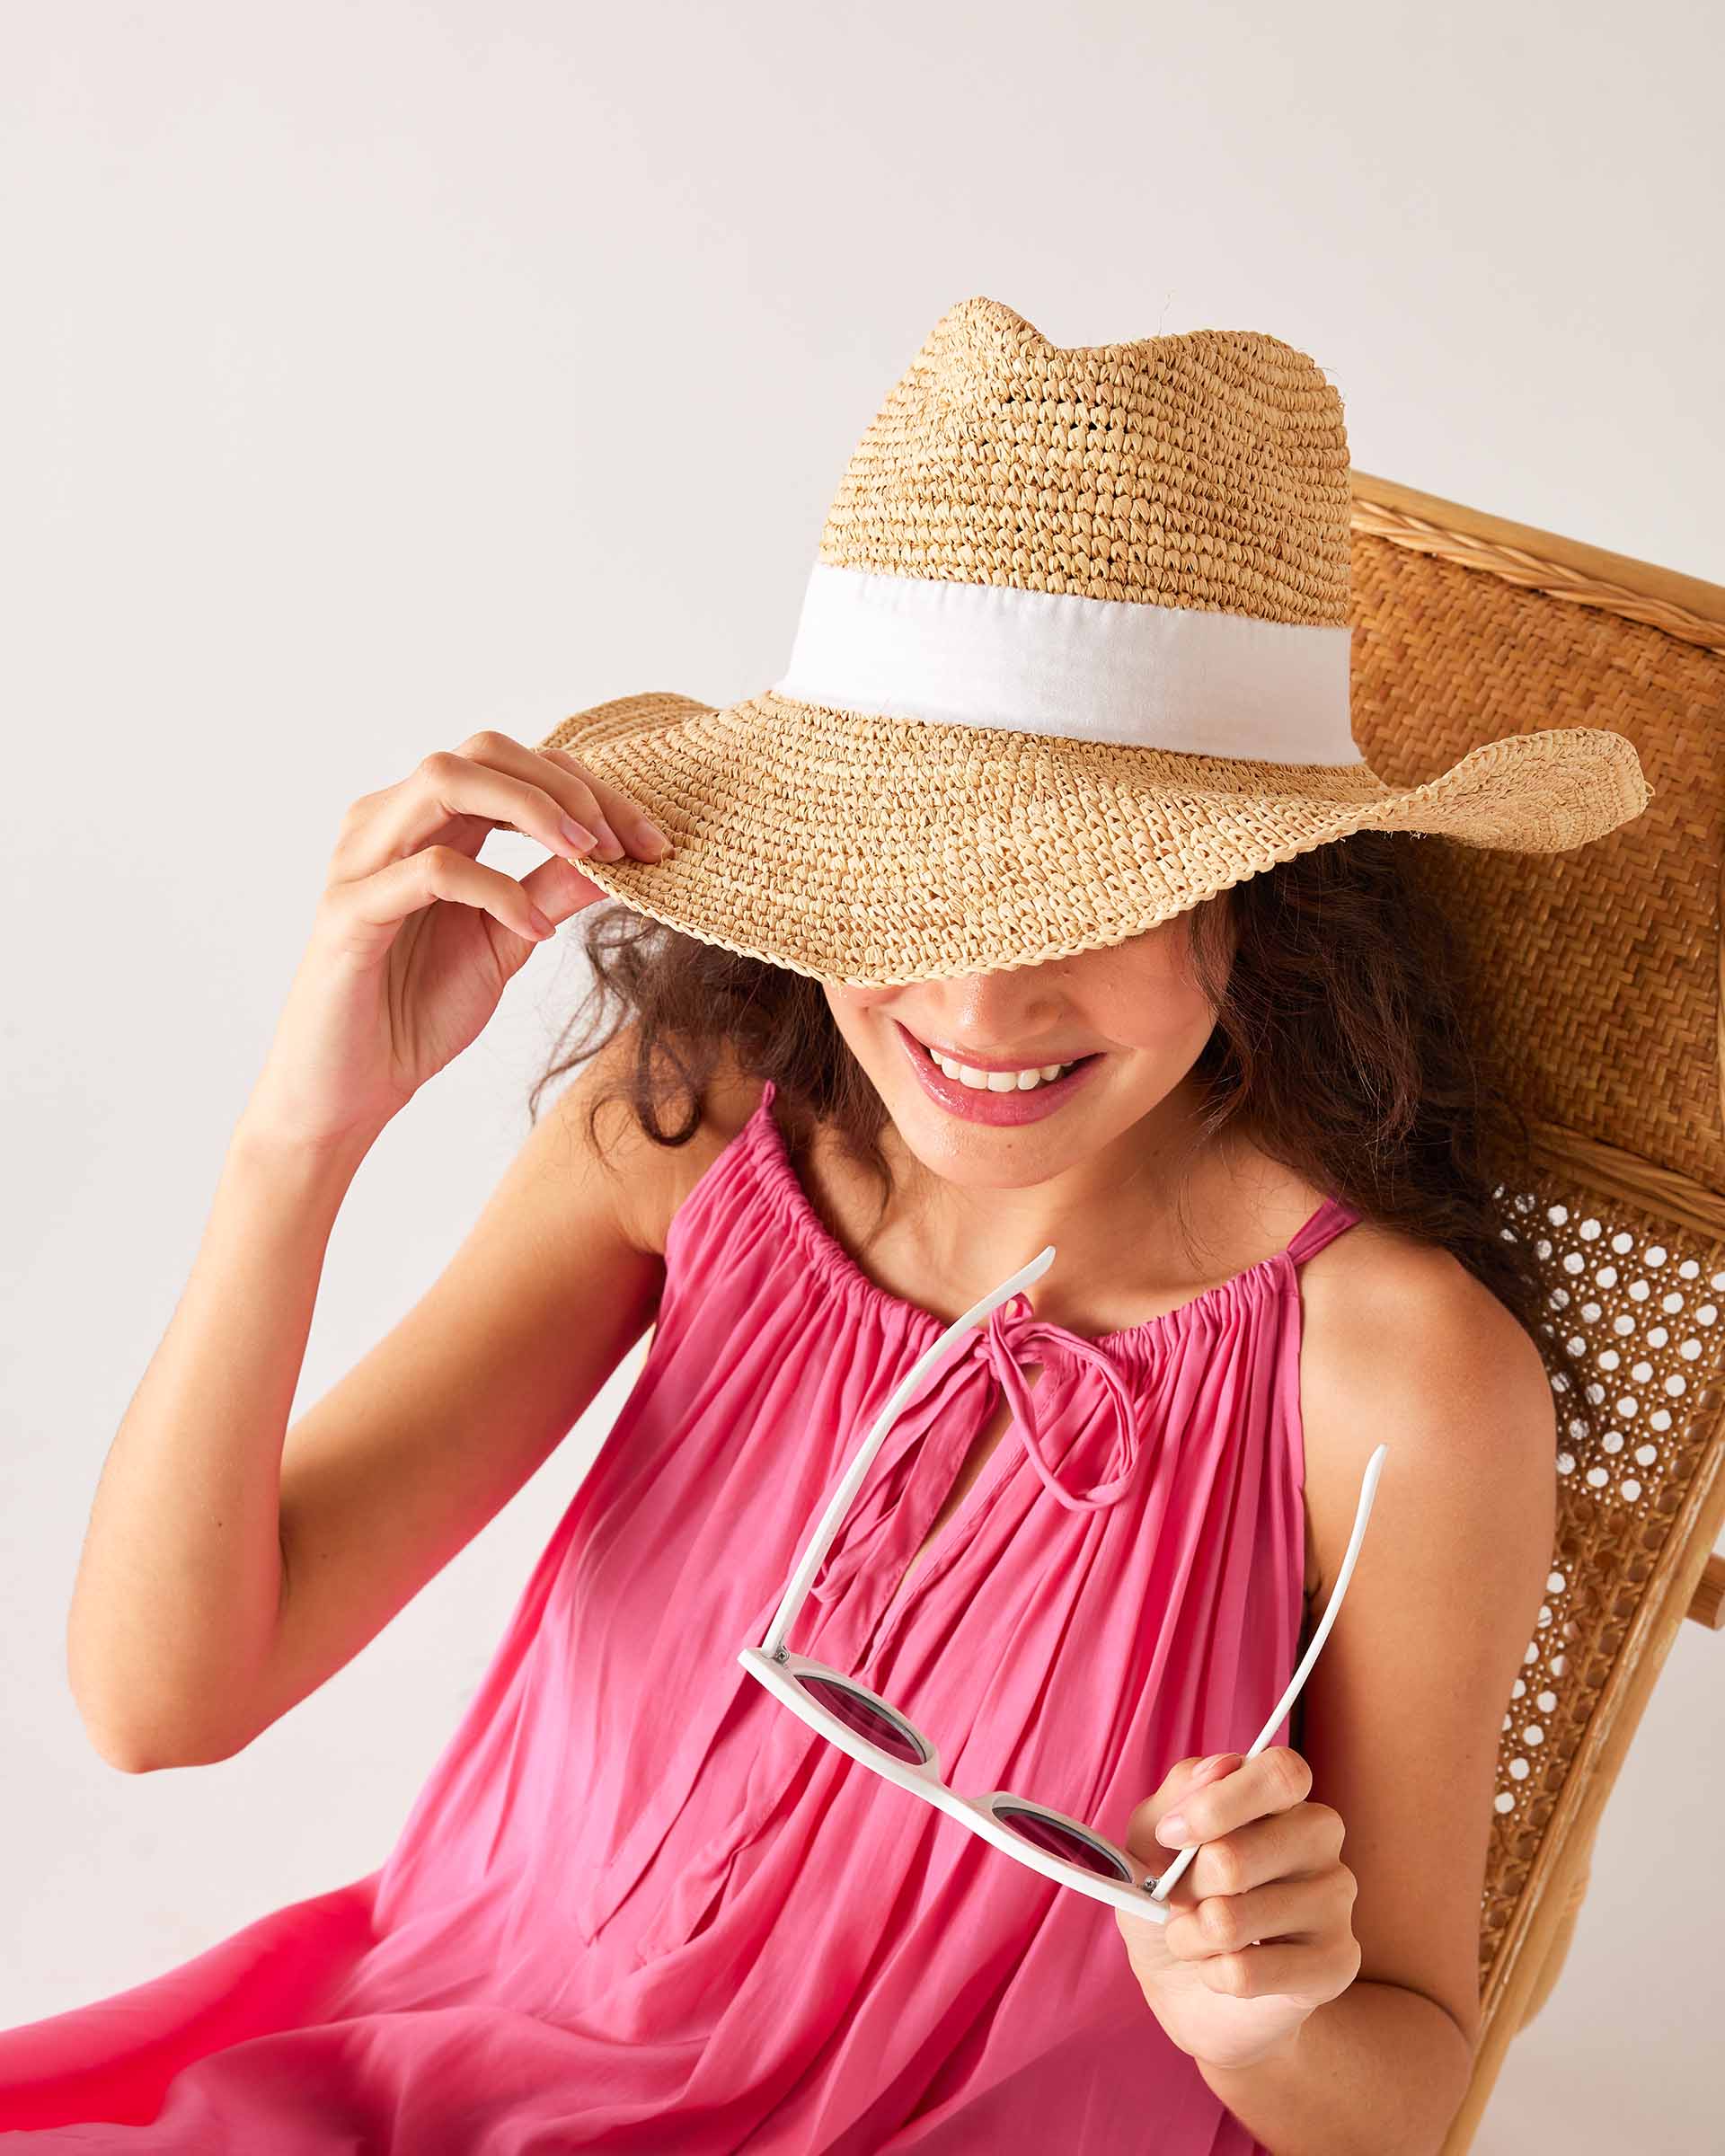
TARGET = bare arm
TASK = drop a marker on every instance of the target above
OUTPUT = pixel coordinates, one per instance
(193, 1624)
(1381, 2070)
(1405, 1706)
(232, 1565)
(176, 1595)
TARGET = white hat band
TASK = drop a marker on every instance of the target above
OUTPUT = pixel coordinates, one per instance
(1050, 662)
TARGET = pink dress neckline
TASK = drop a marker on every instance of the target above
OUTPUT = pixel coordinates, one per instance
(779, 1177)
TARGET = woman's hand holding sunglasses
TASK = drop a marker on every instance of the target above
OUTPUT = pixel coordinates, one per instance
(1269, 1870)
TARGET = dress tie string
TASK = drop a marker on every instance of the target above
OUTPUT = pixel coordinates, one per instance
(1004, 1341)
(1011, 1331)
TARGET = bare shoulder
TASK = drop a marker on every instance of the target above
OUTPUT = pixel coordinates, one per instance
(650, 1180)
(1398, 1338)
(1376, 1298)
(1404, 1708)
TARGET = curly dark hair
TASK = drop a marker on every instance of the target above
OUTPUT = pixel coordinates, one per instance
(1346, 1039)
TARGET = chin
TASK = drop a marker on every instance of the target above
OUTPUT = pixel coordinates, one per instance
(979, 1156)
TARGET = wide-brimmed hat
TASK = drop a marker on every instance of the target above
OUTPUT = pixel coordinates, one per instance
(1073, 657)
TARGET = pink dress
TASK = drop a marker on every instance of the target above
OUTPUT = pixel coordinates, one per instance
(640, 1905)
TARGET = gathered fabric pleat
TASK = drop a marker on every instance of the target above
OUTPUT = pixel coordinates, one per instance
(638, 1905)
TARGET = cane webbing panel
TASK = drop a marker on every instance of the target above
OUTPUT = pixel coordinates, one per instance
(1597, 974)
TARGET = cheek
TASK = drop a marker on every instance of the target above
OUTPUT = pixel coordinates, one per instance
(863, 1017)
(863, 1013)
(858, 1002)
(1159, 1012)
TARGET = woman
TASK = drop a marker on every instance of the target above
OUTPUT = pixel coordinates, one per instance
(1046, 900)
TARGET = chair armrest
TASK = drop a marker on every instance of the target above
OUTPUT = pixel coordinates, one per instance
(1708, 1604)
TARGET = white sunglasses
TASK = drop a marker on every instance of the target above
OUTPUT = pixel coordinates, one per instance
(870, 1729)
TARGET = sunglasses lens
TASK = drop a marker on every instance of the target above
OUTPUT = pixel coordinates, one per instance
(865, 1717)
(1062, 1841)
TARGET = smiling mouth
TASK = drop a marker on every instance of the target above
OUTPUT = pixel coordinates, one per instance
(1017, 1079)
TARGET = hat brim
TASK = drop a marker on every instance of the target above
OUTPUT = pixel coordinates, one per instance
(877, 852)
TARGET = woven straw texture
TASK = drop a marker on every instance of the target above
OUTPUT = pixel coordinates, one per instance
(1206, 471)
(1598, 972)
(1635, 1312)
(1601, 964)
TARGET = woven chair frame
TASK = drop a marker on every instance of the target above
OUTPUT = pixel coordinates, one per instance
(1599, 972)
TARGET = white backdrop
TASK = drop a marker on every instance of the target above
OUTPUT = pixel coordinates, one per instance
(373, 373)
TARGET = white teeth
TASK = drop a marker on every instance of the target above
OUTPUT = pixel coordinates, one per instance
(999, 1081)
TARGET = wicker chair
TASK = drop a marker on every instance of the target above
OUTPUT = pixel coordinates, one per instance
(1468, 627)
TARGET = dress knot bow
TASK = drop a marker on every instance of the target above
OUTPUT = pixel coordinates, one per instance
(1006, 1338)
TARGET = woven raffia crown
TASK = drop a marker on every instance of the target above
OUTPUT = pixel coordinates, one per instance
(1206, 469)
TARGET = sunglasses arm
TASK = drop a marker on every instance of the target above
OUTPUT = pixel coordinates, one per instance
(1368, 1491)
(944, 1349)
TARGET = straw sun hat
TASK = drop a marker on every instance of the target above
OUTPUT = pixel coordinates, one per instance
(1073, 656)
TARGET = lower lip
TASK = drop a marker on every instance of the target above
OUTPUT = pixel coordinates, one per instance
(977, 1107)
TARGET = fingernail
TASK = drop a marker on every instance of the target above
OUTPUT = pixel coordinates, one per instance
(542, 922)
(657, 840)
(609, 845)
(1223, 1762)
(578, 835)
(1172, 1829)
